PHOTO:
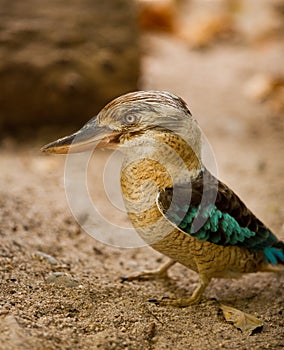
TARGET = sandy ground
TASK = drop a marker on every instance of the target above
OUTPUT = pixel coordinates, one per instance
(73, 299)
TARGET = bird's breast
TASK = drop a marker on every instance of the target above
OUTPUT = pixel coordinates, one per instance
(141, 181)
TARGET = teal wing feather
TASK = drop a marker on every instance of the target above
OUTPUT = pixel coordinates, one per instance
(210, 211)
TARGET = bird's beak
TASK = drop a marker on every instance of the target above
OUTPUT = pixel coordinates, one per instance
(90, 136)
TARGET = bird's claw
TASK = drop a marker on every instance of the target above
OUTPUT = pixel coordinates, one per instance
(145, 276)
(148, 275)
(154, 301)
(158, 301)
(182, 302)
(134, 278)
(123, 279)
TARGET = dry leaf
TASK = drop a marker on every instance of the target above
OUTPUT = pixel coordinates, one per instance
(245, 322)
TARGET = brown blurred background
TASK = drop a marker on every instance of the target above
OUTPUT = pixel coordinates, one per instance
(60, 62)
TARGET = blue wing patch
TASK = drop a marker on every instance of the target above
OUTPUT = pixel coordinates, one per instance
(222, 218)
(223, 229)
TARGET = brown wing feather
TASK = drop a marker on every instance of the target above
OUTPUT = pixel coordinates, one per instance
(207, 190)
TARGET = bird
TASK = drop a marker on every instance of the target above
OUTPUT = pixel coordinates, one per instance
(177, 206)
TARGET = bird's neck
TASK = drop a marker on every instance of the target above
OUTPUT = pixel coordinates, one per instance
(154, 163)
(181, 158)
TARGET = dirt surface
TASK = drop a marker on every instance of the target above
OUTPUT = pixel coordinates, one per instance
(72, 298)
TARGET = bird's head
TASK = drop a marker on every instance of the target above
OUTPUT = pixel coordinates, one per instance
(128, 119)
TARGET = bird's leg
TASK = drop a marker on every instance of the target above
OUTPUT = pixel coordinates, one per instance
(144, 275)
(183, 302)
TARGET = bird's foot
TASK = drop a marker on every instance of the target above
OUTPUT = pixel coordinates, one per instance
(145, 275)
(154, 274)
(181, 302)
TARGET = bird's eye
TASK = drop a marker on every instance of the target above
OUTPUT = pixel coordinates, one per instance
(130, 119)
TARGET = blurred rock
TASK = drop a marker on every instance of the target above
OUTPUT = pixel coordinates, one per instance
(60, 62)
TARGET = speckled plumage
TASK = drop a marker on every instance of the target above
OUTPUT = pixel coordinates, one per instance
(174, 203)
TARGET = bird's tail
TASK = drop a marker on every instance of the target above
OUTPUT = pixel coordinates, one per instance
(280, 252)
(274, 255)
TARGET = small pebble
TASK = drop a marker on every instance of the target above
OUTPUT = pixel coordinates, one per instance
(61, 279)
(48, 257)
